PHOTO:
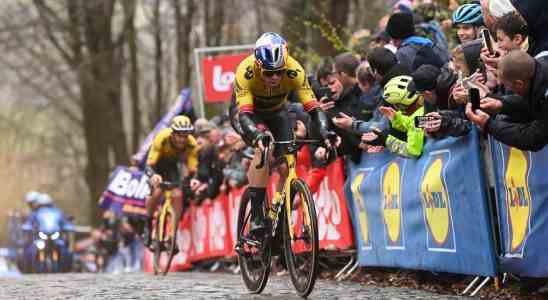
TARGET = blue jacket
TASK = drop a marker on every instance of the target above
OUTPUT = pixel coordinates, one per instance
(410, 47)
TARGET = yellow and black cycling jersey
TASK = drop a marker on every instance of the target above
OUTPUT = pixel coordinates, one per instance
(253, 95)
(163, 156)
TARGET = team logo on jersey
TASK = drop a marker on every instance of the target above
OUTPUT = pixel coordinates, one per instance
(436, 203)
(392, 212)
(248, 73)
(292, 74)
(359, 206)
(517, 199)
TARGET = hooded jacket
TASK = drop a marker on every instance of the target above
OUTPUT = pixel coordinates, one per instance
(534, 13)
(415, 51)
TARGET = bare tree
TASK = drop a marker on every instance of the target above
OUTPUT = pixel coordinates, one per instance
(183, 29)
(134, 74)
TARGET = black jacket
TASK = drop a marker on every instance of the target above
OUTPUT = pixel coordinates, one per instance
(526, 126)
(350, 104)
(210, 170)
(535, 14)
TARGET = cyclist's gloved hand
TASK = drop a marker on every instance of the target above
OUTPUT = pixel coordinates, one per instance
(155, 180)
(262, 140)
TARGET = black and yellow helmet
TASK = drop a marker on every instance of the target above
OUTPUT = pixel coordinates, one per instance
(181, 124)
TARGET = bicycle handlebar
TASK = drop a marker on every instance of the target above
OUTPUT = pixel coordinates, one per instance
(167, 185)
(331, 154)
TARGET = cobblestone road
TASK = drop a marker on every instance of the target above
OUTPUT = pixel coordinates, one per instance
(190, 285)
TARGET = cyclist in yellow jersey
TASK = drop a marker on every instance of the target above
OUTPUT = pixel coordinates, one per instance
(170, 147)
(261, 88)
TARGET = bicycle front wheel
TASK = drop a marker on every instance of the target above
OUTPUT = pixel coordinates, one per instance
(254, 259)
(301, 243)
(170, 240)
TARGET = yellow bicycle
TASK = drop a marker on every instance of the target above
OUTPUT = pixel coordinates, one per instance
(164, 234)
(294, 208)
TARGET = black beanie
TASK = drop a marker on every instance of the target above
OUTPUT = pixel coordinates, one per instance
(400, 26)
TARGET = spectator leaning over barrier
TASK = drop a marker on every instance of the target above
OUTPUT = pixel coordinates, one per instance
(524, 126)
(409, 106)
(345, 100)
(446, 122)
(413, 50)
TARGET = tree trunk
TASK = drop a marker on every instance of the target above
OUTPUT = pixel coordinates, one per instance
(218, 23)
(259, 18)
(129, 10)
(158, 59)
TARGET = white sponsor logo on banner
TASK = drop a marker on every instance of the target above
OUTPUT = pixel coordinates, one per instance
(124, 185)
(217, 225)
(222, 81)
(329, 212)
(199, 231)
(184, 243)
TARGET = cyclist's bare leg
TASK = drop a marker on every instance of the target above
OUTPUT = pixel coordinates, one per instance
(283, 170)
(151, 203)
(257, 177)
(177, 202)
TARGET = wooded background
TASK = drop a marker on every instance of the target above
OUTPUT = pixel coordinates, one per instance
(84, 81)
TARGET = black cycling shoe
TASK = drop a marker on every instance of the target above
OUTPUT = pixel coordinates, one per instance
(259, 228)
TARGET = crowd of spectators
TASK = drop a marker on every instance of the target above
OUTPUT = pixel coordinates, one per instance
(420, 65)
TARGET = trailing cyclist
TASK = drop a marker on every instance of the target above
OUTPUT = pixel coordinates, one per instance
(259, 109)
(169, 147)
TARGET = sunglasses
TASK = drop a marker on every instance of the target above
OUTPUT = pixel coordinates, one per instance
(182, 133)
(272, 73)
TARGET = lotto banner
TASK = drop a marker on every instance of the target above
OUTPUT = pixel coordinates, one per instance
(218, 76)
(126, 192)
(428, 213)
(334, 225)
(522, 196)
(210, 230)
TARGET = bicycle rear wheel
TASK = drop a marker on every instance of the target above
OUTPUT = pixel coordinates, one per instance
(302, 247)
(254, 260)
(170, 242)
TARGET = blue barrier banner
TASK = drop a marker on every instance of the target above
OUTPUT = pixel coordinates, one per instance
(182, 105)
(126, 192)
(522, 198)
(429, 213)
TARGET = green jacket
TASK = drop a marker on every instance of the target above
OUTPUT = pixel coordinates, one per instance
(415, 136)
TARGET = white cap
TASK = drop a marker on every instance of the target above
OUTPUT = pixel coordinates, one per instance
(498, 8)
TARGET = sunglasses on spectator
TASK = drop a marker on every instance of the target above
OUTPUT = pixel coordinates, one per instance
(272, 73)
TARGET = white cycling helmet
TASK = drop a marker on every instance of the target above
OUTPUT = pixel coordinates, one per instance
(31, 197)
(44, 199)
